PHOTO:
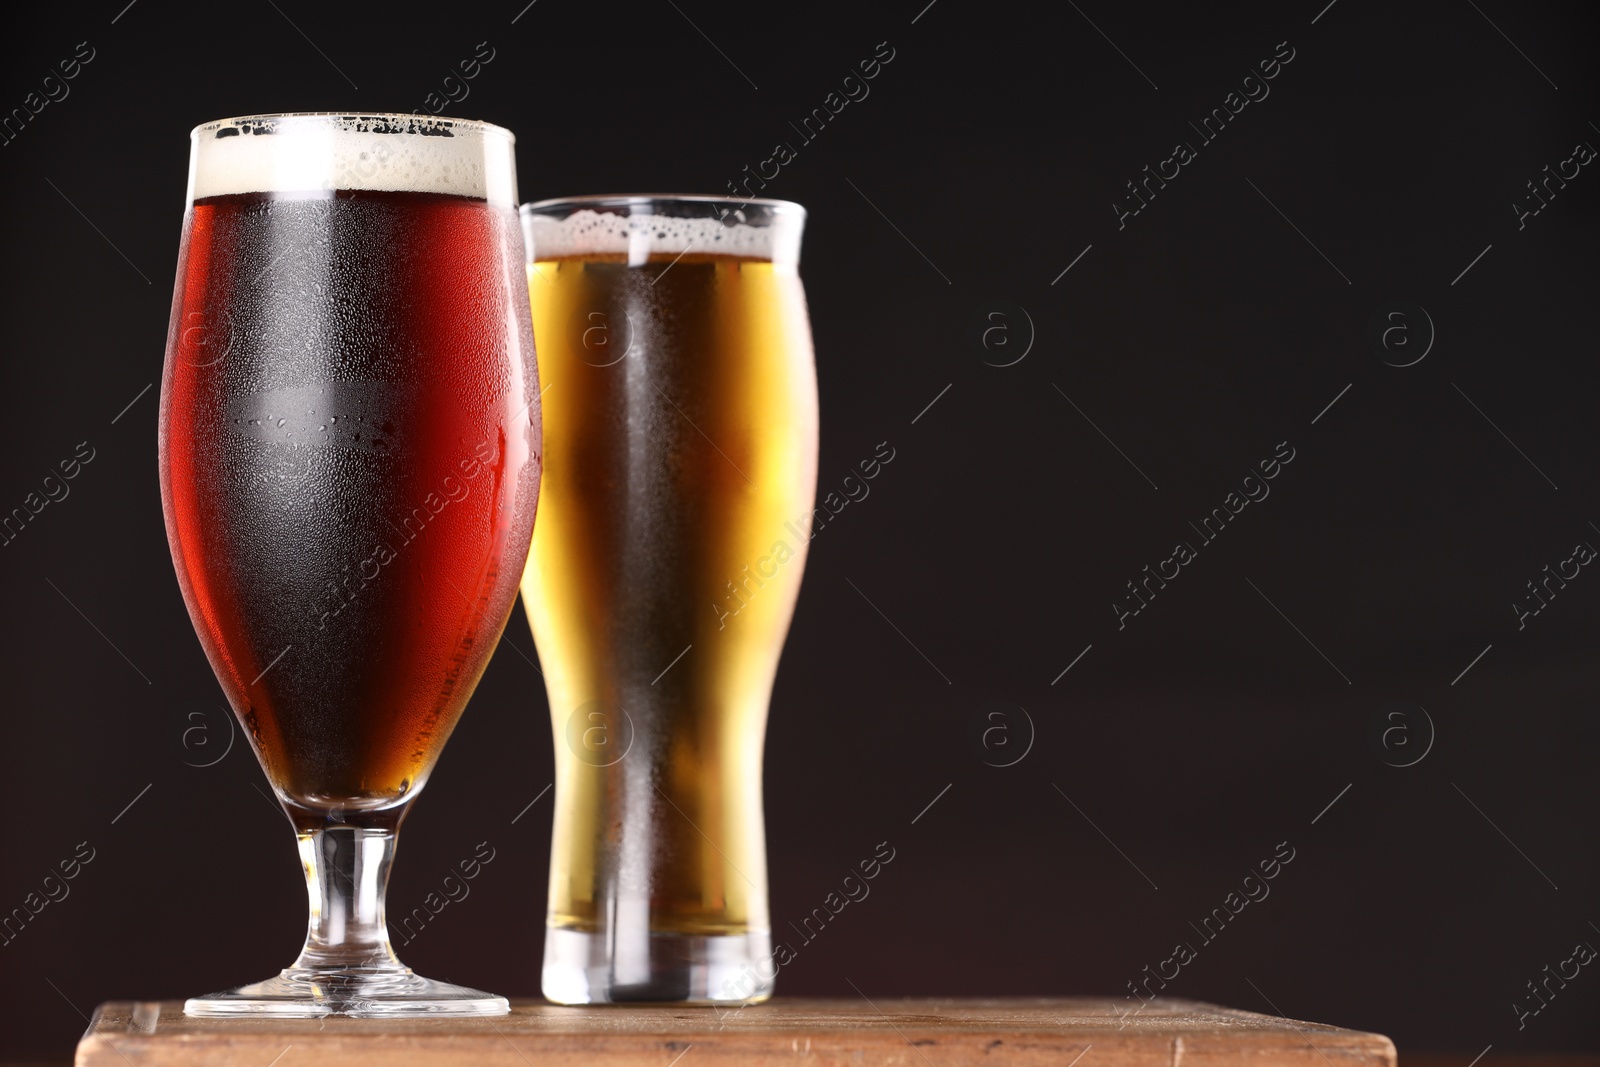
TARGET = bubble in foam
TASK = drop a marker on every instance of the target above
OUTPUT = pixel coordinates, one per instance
(588, 232)
(318, 152)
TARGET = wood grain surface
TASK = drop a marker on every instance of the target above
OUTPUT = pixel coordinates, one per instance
(815, 1033)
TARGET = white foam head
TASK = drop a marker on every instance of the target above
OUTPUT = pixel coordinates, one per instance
(317, 152)
(553, 229)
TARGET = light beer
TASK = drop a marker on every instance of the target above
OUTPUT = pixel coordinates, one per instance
(680, 429)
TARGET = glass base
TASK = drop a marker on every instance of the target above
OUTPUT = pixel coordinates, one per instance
(365, 993)
(605, 968)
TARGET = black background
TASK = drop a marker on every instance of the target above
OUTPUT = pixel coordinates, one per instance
(1197, 338)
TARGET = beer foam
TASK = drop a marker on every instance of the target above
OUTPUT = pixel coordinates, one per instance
(589, 232)
(317, 152)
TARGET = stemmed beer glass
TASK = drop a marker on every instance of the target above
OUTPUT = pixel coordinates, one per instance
(350, 458)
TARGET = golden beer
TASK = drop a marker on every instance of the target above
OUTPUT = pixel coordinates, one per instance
(680, 423)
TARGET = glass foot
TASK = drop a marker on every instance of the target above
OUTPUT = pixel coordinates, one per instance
(613, 968)
(364, 993)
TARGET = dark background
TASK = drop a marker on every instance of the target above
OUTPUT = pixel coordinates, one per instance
(1197, 338)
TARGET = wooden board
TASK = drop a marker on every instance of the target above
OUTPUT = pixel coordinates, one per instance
(813, 1033)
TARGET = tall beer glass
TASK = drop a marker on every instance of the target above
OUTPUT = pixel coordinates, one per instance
(681, 421)
(349, 470)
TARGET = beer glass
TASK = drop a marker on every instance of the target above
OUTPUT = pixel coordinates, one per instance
(349, 455)
(675, 512)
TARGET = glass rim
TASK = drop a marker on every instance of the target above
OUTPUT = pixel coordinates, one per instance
(779, 208)
(396, 117)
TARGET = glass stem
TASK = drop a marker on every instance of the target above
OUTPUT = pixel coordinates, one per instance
(347, 875)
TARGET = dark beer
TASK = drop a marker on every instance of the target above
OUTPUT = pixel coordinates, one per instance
(349, 468)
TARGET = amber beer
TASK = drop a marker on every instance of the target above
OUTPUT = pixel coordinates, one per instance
(349, 464)
(681, 434)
